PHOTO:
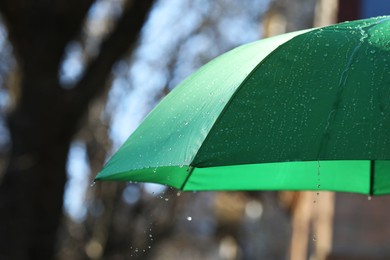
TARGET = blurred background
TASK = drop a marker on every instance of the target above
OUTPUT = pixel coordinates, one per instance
(77, 77)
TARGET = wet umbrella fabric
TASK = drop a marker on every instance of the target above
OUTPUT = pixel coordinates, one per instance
(308, 110)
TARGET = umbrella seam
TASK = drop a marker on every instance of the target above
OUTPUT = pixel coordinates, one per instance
(190, 171)
(372, 177)
(245, 80)
(341, 86)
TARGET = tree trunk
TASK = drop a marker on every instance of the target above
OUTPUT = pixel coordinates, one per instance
(31, 193)
(46, 115)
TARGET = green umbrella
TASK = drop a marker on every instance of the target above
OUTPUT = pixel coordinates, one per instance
(308, 110)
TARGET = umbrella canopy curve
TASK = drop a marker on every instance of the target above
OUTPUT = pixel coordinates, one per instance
(307, 110)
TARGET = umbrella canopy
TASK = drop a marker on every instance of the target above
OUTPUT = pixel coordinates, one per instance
(308, 110)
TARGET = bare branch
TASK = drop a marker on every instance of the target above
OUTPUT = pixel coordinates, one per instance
(38, 27)
(124, 35)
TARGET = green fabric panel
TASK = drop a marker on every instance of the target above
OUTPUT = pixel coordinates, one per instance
(345, 176)
(173, 132)
(173, 176)
(323, 95)
(382, 178)
(262, 115)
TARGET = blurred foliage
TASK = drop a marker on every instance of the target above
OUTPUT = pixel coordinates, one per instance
(124, 220)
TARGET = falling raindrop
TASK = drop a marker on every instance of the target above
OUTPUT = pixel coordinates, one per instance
(178, 194)
(189, 218)
(93, 184)
(314, 238)
(318, 177)
(369, 198)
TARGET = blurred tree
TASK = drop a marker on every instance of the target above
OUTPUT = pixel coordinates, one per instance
(51, 106)
(47, 114)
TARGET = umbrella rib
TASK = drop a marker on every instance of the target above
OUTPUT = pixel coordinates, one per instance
(372, 177)
(189, 170)
(341, 87)
(228, 103)
(339, 94)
